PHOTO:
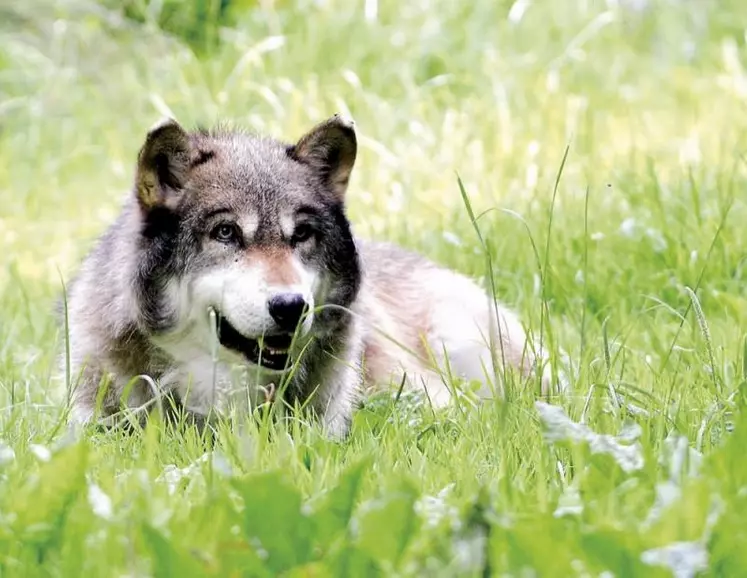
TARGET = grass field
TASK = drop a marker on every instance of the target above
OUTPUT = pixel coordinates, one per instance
(632, 267)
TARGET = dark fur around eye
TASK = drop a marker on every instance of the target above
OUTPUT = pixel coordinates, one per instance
(303, 232)
(225, 233)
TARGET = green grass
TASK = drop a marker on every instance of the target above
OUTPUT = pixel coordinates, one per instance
(633, 266)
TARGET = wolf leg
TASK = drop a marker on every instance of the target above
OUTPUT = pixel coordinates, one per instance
(336, 404)
(99, 395)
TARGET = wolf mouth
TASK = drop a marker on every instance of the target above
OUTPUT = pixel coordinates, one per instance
(270, 351)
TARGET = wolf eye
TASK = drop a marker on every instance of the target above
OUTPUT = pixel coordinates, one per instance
(225, 233)
(303, 232)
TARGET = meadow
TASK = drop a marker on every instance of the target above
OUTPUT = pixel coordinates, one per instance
(586, 159)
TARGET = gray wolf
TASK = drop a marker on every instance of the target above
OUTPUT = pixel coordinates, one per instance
(232, 269)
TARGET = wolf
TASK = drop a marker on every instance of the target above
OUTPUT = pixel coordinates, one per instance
(232, 268)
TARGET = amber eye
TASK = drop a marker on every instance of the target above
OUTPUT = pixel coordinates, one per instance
(303, 232)
(224, 233)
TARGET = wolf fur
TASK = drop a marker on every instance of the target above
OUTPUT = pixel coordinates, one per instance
(223, 226)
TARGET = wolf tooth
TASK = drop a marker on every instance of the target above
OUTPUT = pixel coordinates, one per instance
(243, 238)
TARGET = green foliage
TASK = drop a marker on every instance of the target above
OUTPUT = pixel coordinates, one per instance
(167, 559)
(197, 22)
(629, 262)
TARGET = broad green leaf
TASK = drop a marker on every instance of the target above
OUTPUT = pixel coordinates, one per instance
(351, 561)
(542, 543)
(232, 556)
(168, 560)
(44, 502)
(336, 507)
(386, 525)
(274, 522)
(618, 552)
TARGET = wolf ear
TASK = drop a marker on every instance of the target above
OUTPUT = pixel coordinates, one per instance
(330, 148)
(163, 165)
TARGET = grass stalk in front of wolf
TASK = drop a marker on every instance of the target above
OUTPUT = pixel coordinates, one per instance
(244, 238)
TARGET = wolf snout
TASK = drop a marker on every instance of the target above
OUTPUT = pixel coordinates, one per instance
(286, 310)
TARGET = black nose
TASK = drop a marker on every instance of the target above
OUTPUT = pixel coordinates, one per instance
(286, 310)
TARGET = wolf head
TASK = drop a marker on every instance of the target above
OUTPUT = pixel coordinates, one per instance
(250, 229)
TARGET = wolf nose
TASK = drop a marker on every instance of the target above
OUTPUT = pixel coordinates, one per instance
(286, 310)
